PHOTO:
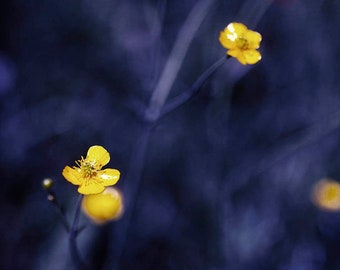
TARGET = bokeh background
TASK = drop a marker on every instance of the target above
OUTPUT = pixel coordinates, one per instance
(222, 182)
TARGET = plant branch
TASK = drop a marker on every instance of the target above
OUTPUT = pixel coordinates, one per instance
(174, 62)
(52, 198)
(182, 98)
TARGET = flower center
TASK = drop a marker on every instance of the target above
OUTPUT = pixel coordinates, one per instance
(242, 43)
(87, 168)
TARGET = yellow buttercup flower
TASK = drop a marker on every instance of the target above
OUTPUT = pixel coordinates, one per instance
(326, 195)
(88, 174)
(241, 43)
(103, 207)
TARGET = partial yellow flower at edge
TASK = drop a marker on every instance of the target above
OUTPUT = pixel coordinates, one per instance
(326, 195)
(88, 174)
(241, 43)
(103, 207)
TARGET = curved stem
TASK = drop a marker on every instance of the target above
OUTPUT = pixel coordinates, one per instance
(72, 237)
(180, 99)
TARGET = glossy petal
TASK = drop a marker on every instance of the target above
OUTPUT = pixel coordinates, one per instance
(236, 28)
(238, 55)
(253, 39)
(90, 187)
(108, 177)
(72, 175)
(98, 155)
(226, 42)
(251, 56)
(104, 206)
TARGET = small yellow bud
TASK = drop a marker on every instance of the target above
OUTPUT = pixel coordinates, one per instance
(326, 195)
(47, 183)
(103, 207)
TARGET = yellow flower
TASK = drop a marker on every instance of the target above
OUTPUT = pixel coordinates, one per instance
(88, 175)
(103, 207)
(241, 43)
(326, 195)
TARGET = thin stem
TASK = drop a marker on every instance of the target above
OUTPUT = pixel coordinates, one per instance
(62, 217)
(52, 198)
(153, 112)
(134, 177)
(180, 99)
(157, 28)
(175, 60)
(72, 237)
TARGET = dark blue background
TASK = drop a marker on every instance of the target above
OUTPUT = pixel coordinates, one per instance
(224, 181)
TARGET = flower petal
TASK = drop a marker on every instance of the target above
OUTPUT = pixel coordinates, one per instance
(253, 38)
(91, 187)
(252, 56)
(98, 155)
(238, 54)
(225, 41)
(236, 28)
(72, 175)
(230, 34)
(108, 177)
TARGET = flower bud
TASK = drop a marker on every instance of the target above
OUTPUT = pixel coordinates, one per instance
(103, 207)
(47, 183)
(326, 195)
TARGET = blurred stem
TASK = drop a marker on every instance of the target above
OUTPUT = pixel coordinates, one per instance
(180, 99)
(133, 177)
(156, 32)
(52, 198)
(72, 237)
(152, 114)
(175, 60)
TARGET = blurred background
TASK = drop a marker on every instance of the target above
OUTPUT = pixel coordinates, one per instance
(222, 182)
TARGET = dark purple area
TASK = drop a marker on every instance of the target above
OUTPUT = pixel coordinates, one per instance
(226, 178)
